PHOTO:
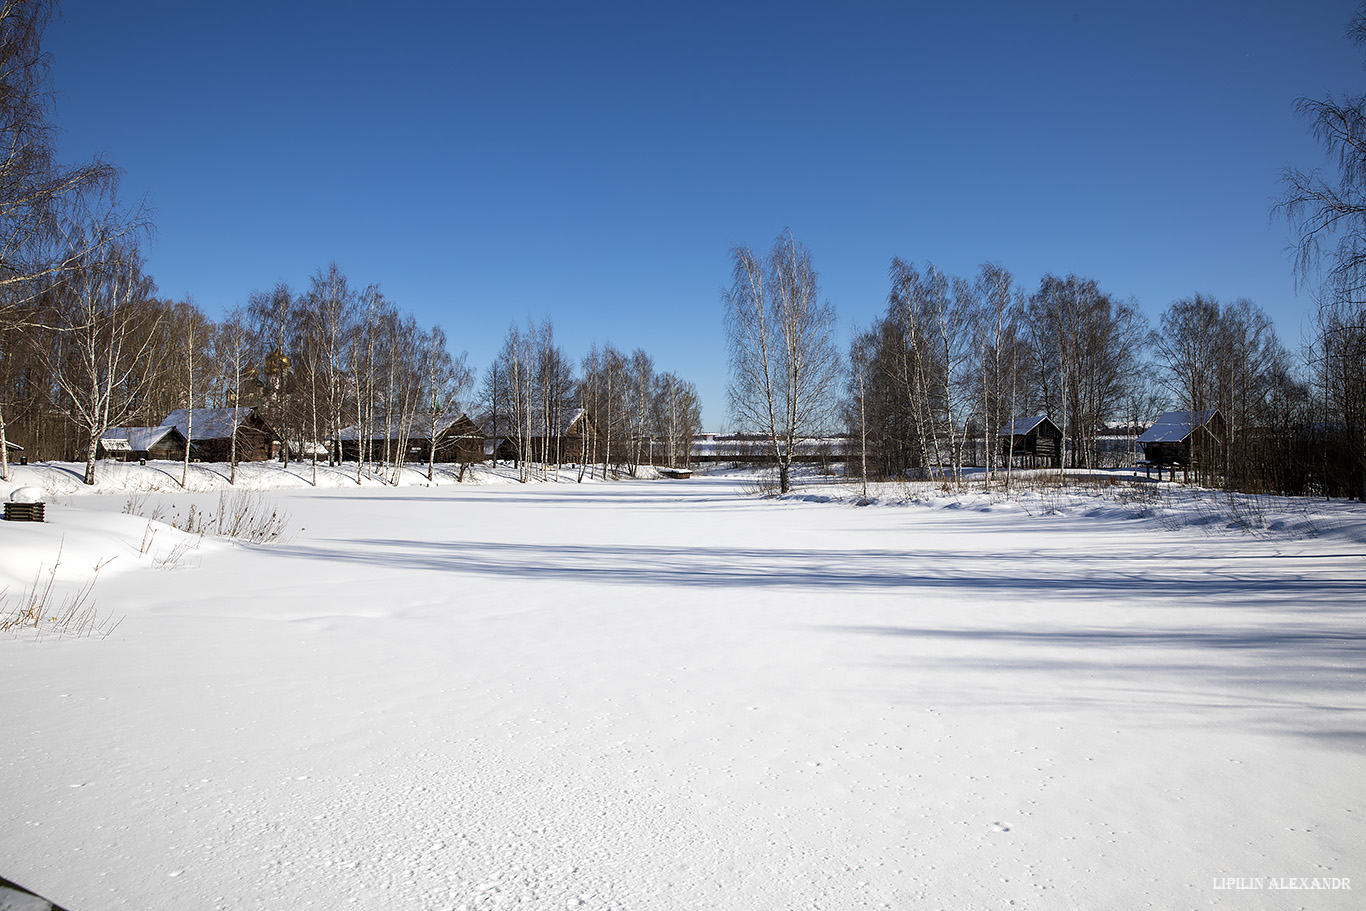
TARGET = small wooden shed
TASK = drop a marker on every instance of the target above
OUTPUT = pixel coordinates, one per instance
(1031, 443)
(127, 444)
(1186, 440)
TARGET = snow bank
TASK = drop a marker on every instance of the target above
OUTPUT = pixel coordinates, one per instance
(67, 478)
(1114, 494)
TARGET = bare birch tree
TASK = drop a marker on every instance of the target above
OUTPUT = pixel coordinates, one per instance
(275, 328)
(996, 330)
(862, 356)
(1086, 348)
(362, 369)
(41, 201)
(783, 359)
(331, 312)
(1328, 213)
(912, 360)
(516, 362)
(194, 331)
(109, 332)
(639, 392)
(53, 217)
(603, 395)
(677, 417)
(447, 380)
(233, 351)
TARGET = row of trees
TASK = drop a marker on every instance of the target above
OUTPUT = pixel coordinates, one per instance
(617, 413)
(954, 361)
(99, 350)
(1337, 358)
(333, 357)
(1227, 357)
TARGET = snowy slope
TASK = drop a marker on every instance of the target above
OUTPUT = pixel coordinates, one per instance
(670, 695)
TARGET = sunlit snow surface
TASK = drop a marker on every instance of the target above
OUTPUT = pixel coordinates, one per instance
(667, 695)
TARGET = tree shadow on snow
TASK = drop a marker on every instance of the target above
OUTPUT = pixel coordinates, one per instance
(967, 575)
(1280, 679)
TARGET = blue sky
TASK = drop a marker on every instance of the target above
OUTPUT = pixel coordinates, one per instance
(595, 163)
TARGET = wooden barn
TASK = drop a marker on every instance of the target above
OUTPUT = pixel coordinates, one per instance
(500, 449)
(452, 437)
(1189, 440)
(214, 429)
(128, 444)
(573, 439)
(1031, 443)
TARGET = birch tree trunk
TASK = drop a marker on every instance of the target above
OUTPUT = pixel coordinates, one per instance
(189, 405)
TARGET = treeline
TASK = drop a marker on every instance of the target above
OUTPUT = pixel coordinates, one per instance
(958, 369)
(617, 413)
(100, 350)
(326, 363)
(954, 361)
(1333, 447)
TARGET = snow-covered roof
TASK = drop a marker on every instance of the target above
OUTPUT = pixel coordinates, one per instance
(209, 423)
(134, 439)
(1175, 426)
(1022, 426)
(308, 448)
(570, 418)
(505, 426)
(505, 423)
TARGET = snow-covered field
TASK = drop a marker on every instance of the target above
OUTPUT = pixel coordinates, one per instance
(673, 695)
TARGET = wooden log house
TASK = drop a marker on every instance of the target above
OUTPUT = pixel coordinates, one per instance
(1031, 443)
(212, 431)
(454, 437)
(573, 438)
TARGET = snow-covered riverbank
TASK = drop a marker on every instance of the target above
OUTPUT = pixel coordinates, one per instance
(663, 695)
